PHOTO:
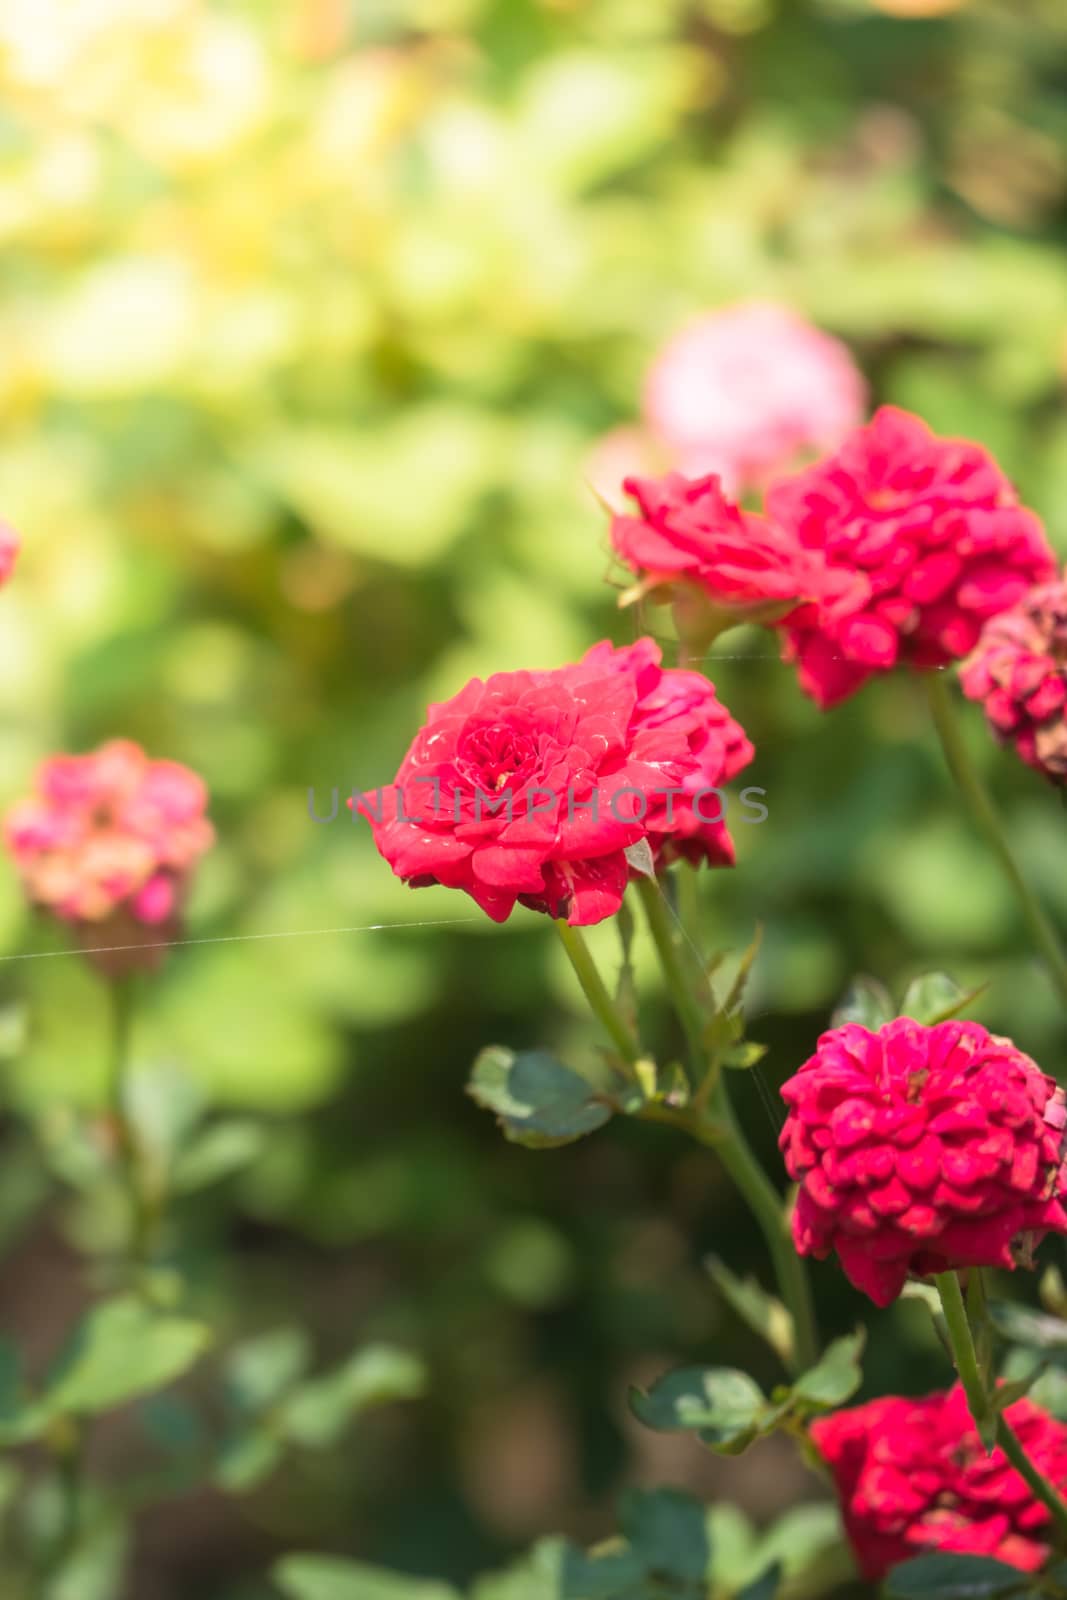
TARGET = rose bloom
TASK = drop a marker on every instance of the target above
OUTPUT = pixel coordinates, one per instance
(531, 786)
(1018, 673)
(933, 531)
(686, 529)
(742, 392)
(913, 1477)
(689, 825)
(107, 842)
(919, 1149)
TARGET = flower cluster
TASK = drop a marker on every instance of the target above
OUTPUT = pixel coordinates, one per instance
(913, 1476)
(744, 391)
(108, 840)
(1018, 672)
(531, 786)
(918, 1149)
(933, 533)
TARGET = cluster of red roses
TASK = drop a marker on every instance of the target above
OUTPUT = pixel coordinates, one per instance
(917, 1150)
(899, 547)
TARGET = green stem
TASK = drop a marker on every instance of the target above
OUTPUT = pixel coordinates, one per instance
(595, 990)
(143, 1201)
(985, 814)
(718, 1128)
(1008, 1441)
(665, 931)
(961, 1341)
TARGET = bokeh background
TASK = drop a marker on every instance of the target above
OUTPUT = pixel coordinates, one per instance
(312, 315)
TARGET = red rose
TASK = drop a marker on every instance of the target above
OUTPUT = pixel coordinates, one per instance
(687, 529)
(913, 1476)
(689, 824)
(530, 787)
(935, 531)
(918, 1149)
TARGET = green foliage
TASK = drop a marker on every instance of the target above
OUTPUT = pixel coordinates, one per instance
(935, 997)
(953, 1577)
(867, 1002)
(727, 1409)
(930, 998)
(538, 1101)
(273, 1406)
(122, 1349)
(763, 1313)
(325, 1578)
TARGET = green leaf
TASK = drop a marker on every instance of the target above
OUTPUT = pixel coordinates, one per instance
(21, 1418)
(935, 997)
(1007, 1392)
(1021, 1325)
(537, 1100)
(614, 1573)
(744, 970)
(164, 1104)
(247, 1459)
(217, 1153)
(836, 1376)
(538, 1573)
(720, 1404)
(951, 1577)
(94, 1568)
(259, 1371)
(867, 1002)
(763, 1313)
(328, 1578)
(723, 1032)
(668, 1533)
(765, 1587)
(120, 1350)
(14, 1029)
(318, 1411)
(744, 1055)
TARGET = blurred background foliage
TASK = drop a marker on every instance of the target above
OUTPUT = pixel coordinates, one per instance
(312, 313)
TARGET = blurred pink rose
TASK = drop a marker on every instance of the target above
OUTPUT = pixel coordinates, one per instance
(9, 549)
(107, 843)
(744, 391)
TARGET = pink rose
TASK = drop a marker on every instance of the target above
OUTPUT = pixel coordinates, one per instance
(743, 391)
(108, 842)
